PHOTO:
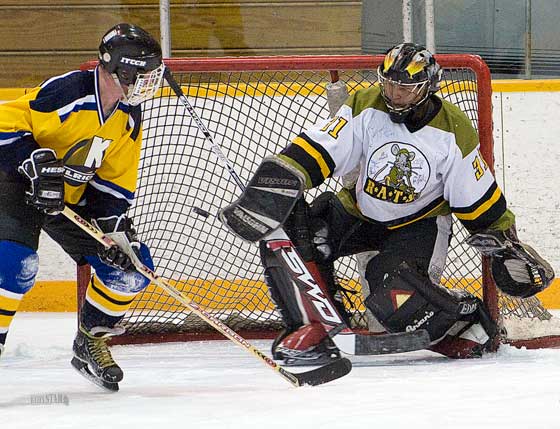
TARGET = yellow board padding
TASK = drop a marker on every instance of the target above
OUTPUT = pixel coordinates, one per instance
(534, 85)
(239, 295)
(272, 89)
(51, 295)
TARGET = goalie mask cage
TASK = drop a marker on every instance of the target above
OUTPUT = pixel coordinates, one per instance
(253, 107)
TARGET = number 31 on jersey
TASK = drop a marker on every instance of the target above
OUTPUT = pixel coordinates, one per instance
(334, 126)
(479, 165)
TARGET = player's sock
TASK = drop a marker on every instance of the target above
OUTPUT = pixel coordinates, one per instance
(105, 303)
(18, 268)
(9, 303)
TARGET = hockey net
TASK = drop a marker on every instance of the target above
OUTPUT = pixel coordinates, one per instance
(253, 107)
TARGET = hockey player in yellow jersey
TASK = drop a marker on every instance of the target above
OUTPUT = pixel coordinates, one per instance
(417, 160)
(76, 140)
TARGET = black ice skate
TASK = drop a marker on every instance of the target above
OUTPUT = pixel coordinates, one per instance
(93, 359)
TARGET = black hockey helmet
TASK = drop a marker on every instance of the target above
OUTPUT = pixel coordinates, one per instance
(134, 57)
(413, 68)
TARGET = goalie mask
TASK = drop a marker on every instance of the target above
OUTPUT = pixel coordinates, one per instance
(134, 59)
(408, 76)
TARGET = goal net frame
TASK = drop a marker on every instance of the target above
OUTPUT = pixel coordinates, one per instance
(332, 68)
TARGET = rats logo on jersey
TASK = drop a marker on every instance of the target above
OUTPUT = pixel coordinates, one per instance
(397, 173)
(82, 160)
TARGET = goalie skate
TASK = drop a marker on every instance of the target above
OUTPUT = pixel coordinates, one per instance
(308, 346)
(93, 360)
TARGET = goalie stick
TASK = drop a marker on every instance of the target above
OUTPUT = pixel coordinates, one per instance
(278, 241)
(324, 374)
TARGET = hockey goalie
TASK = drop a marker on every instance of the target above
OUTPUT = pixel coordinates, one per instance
(419, 161)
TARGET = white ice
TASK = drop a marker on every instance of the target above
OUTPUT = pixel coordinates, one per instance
(219, 385)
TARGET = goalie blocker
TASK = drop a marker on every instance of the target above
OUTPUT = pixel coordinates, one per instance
(266, 203)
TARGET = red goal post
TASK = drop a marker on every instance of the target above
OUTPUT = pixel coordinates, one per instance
(253, 106)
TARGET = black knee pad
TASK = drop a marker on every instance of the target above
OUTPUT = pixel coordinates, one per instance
(403, 300)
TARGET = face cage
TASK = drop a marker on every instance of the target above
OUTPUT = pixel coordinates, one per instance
(415, 88)
(146, 86)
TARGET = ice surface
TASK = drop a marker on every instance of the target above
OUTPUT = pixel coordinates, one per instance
(218, 385)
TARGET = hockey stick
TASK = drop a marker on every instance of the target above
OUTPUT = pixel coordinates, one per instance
(324, 374)
(278, 241)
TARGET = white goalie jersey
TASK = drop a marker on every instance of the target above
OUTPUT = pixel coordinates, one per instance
(404, 176)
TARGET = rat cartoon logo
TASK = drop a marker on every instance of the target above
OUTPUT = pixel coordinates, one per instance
(397, 172)
(401, 171)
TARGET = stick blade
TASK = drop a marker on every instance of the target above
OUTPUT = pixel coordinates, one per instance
(399, 342)
(332, 371)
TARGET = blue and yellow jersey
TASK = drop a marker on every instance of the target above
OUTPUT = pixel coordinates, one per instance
(101, 155)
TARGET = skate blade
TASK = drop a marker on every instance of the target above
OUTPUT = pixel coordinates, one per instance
(83, 369)
(295, 362)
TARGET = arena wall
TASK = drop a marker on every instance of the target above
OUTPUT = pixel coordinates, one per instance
(42, 38)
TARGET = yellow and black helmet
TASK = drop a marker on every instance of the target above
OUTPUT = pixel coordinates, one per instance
(412, 66)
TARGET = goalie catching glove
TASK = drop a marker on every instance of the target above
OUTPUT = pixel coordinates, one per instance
(266, 203)
(46, 174)
(122, 232)
(517, 268)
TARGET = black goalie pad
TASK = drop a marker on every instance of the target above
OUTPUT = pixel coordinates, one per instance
(407, 301)
(265, 204)
(518, 270)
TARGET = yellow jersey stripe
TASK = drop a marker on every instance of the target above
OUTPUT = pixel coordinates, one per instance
(482, 208)
(325, 171)
(425, 215)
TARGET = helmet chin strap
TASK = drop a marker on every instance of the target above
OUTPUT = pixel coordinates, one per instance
(401, 117)
(120, 86)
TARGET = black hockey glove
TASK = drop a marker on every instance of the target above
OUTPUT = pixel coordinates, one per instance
(517, 268)
(46, 174)
(309, 232)
(120, 230)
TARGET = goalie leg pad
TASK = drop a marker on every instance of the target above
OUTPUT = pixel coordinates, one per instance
(281, 289)
(267, 201)
(405, 301)
(301, 342)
